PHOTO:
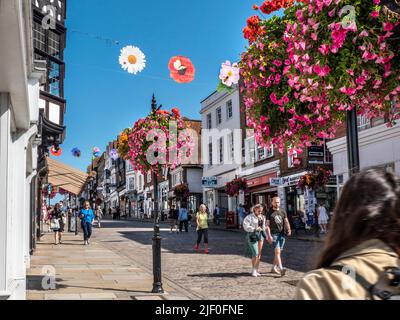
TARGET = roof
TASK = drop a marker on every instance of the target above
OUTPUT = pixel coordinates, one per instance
(65, 177)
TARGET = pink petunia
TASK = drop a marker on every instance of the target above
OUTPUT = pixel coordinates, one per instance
(375, 14)
(388, 26)
(324, 49)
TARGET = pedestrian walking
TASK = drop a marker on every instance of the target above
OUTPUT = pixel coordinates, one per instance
(217, 215)
(242, 215)
(99, 216)
(118, 213)
(278, 227)
(361, 257)
(183, 219)
(202, 228)
(323, 218)
(173, 219)
(255, 226)
(57, 223)
(87, 218)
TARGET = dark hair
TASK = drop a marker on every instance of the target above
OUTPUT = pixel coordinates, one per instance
(368, 208)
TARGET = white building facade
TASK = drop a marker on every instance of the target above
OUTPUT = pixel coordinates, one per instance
(379, 147)
(19, 112)
(222, 144)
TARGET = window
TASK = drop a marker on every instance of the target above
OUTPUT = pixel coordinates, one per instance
(54, 44)
(363, 123)
(54, 78)
(328, 155)
(291, 159)
(209, 121)
(39, 37)
(231, 146)
(229, 110)
(219, 116)
(210, 154)
(261, 153)
(131, 184)
(250, 148)
(149, 177)
(221, 150)
(140, 182)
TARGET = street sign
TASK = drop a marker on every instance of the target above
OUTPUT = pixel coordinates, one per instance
(210, 182)
(316, 151)
(275, 182)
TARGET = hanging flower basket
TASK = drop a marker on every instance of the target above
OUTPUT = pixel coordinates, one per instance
(315, 180)
(182, 191)
(234, 187)
(161, 140)
(304, 70)
(123, 144)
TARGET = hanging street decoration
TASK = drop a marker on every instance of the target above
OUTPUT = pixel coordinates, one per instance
(114, 154)
(182, 69)
(229, 76)
(96, 152)
(56, 152)
(76, 152)
(132, 59)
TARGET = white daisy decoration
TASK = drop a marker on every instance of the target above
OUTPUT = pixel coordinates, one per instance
(132, 59)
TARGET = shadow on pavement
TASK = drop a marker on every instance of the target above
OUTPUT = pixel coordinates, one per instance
(35, 283)
(298, 255)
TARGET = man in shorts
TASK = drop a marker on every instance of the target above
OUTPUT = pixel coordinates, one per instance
(278, 227)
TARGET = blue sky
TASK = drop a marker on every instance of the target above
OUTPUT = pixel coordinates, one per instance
(102, 99)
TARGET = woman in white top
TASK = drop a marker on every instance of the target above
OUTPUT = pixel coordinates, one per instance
(255, 226)
(323, 218)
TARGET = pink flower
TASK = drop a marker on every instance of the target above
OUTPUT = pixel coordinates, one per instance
(388, 26)
(285, 100)
(348, 91)
(324, 49)
(363, 34)
(375, 14)
(314, 36)
(317, 69)
(377, 1)
(273, 98)
(350, 72)
(332, 13)
(361, 80)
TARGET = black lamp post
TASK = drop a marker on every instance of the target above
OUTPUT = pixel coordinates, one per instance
(353, 153)
(157, 285)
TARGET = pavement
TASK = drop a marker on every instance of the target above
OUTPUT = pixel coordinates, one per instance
(118, 266)
(91, 272)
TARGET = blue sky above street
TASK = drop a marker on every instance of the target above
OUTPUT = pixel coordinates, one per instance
(102, 99)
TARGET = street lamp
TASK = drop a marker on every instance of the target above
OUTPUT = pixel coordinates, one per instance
(157, 284)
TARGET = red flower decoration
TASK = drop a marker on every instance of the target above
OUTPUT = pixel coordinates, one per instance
(54, 152)
(182, 69)
(176, 112)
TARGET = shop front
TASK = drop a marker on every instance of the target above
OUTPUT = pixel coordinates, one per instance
(303, 203)
(260, 191)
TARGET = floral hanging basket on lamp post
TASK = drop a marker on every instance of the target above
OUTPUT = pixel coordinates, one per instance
(234, 187)
(159, 141)
(305, 70)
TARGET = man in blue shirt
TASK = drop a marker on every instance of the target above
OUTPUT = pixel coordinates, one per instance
(87, 218)
(183, 219)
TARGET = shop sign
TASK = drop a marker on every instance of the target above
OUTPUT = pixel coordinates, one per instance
(315, 161)
(286, 181)
(261, 180)
(210, 182)
(316, 152)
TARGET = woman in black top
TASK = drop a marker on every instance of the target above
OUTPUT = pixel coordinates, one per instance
(57, 223)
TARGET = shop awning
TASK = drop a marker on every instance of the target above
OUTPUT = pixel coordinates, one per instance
(65, 177)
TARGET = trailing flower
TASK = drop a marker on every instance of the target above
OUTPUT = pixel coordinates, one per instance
(316, 179)
(182, 191)
(314, 64)
(122, 145)
(234, 187)
(160, 140)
